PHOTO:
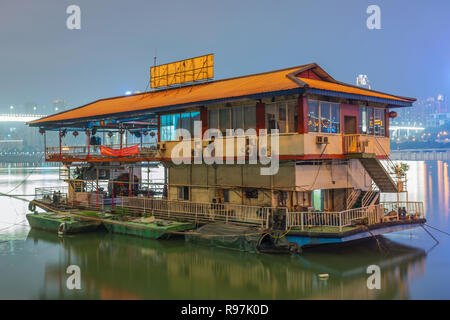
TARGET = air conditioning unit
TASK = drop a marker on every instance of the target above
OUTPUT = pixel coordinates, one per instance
(161, 146)
(321, 140)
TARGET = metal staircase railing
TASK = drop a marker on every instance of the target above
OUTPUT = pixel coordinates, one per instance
(352, 198)
(392, 169)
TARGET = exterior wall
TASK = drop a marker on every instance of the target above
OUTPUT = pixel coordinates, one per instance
(205, 180)
(332, 175)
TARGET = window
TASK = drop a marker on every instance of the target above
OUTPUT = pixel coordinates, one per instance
(313, 116)
(250, 117)
(329, 115)
(372, 121)
(325, 123)
(282, 116)
(363, 120)
(183, 193)
(241, 117)
(224, 120)
(369, 120)
(171, 122)
(379, 127)
(335, 118)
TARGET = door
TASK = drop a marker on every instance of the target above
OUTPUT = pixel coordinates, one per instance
(350, 138)
(349, 125)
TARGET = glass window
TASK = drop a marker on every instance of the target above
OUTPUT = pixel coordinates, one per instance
(213, 119)
(370, 121)
(195, 116)
(186, 121)
(313, 116)
(292, 116)
(325, 124)
(379, 122)
(335, 118)
(183, 193)
(363, 120)
(169, 124)
(282, 116)
(271, 117)
(224, 120)
(237, 118)
(250, 117)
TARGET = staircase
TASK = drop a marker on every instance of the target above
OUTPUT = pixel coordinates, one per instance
(352, 198)
(379, 175)
(63, 173)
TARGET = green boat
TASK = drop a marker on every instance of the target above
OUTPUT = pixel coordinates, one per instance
(61, 223)
(154, 229)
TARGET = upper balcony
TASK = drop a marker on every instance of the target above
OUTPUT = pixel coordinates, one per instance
(289, 146)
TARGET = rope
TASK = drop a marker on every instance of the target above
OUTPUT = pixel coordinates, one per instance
(437, 229)
(429, 233)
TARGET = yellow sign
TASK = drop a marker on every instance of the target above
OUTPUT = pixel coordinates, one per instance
(188, 70)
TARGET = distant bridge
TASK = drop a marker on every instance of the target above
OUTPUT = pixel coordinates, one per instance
(421, 154)
(396, 130)
(11, 117)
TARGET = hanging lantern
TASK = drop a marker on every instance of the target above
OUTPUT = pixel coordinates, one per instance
(75, 133)
(145, 133)
(63, 133)
(41, 130)
(110, 134)
(392, 114)
(152, 134)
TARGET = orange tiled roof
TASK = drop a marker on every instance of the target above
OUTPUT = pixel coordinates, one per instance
(235, 87)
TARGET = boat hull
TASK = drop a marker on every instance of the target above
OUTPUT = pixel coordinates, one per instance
(149, 231)
(51, 222)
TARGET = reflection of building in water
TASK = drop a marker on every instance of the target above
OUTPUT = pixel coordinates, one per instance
(122, 268)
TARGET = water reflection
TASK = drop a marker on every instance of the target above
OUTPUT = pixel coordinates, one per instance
(33, 263)
(120, 267)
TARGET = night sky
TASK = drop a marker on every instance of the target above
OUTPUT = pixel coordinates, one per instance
(41, 60)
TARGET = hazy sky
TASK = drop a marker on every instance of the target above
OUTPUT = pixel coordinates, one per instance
(41, 60)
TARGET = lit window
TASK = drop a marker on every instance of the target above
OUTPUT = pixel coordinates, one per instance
(325, 123)
(329, 115)
(370, 121)
(379, 125)
(363, 120)
(313, 116)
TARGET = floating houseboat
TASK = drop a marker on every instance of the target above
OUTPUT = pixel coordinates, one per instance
(290, 154)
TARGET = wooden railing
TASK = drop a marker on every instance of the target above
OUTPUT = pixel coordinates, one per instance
(198, 211)
(353, 144)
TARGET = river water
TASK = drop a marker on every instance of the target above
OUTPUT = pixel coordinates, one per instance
(33, 263)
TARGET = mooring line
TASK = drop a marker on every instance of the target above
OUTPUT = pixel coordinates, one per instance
(437, 241)
(437, 229)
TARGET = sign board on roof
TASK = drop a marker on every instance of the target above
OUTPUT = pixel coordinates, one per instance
(189, 70)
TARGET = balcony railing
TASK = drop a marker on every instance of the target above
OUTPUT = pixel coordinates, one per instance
(83, 152)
